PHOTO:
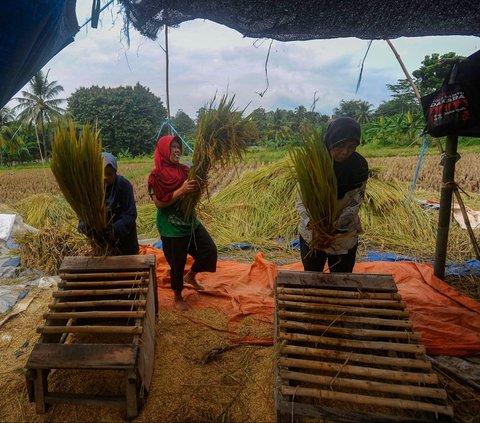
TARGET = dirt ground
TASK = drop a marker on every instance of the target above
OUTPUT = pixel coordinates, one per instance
(197, 378)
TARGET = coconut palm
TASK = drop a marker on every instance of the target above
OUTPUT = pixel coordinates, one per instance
(39, 105)
(8, 139)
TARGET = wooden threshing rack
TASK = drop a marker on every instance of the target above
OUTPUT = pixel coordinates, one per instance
(347, 352)
(109, 304)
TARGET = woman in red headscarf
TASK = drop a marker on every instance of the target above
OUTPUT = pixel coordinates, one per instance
(168, 183)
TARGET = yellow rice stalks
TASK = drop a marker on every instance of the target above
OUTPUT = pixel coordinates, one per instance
(221, 137)
(318, 187)
(46, 249)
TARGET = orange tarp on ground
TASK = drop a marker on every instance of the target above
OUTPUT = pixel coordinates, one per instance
(448, 321)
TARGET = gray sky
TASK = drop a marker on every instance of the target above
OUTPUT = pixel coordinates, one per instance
(206, 58)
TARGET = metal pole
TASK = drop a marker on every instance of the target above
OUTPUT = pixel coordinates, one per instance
(446, 192)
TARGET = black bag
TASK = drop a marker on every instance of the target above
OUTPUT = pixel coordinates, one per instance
(454, 109)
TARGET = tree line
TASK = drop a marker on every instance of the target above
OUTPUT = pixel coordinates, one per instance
(130, 117)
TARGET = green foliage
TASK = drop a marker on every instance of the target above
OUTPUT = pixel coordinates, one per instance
(432, 73)
(129, 117)
(359, 110)
(184, 124)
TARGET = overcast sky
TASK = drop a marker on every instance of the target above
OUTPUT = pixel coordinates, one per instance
(206, 58)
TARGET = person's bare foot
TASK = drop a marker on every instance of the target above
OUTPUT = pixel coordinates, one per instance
(189, 279)
(179, 303)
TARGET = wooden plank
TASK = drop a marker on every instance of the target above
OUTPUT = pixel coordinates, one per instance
(146, 356)
(82, 356)
(344, 309)
(94, 315)
(300, 315)
(346, 416)
(360, 282)
(112, 401)
(129, 282)
(379, 360)
(97, 292)
(339, 294)
(99, 275)
(367, 399)
(373, 345)
(364, 333)
(89, 329)
(363, 385)
(394, 304)
(370, 372)
(101, 303)
(84, 264)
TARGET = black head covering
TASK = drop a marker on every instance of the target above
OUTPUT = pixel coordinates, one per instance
(340, 130)
(353, 172)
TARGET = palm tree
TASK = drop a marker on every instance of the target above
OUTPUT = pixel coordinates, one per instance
(39, 105)
(8, 139)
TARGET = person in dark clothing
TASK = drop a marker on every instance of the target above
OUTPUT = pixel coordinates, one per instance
(168, 183)
(121, 210)
(351, 170)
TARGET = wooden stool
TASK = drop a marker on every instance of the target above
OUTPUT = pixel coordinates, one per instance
(347, 352)
(98, 296)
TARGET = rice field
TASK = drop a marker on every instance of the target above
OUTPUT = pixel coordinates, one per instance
(254, 203)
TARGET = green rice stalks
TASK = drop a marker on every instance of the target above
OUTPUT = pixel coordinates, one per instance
(317, 183)
(222, 136)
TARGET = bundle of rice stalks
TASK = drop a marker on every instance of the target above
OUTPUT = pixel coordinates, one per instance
(318, 187)
(79, 170)
(43, 210)
(258, 208)
(46, 249)
(222, 135)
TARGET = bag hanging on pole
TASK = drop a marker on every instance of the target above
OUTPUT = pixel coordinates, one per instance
(454, 109)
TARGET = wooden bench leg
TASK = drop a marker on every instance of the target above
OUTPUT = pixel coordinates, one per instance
(41, 389)
(131, 394)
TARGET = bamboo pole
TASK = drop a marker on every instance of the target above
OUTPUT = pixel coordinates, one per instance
(104, 275)
(395, 375)
(103, 303)
(89, 329)
(365, 399)
(380, 360)
(373, 345)
(340, 294)
(94, 315)
(300, 315)
(348, 301)
(130, 282)
(471, 234)
(448, 181)
(366, 385)
(345, 309)
(367, 333)
(85, 292)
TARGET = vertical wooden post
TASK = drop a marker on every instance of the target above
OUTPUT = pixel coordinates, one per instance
(167, 79)
(445, 205)
(41, 389)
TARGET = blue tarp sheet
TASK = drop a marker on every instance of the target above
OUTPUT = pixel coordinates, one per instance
(31, 33)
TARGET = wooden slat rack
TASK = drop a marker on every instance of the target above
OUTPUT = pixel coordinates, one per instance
(347, 352)
(110, 305)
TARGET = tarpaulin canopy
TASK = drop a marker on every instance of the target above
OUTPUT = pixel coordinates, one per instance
(31, 33)
(288, 20)
(448, 321)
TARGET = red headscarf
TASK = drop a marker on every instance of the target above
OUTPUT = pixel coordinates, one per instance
(166, 176)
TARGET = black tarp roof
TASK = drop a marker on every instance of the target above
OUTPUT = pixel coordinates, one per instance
(313, 19)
